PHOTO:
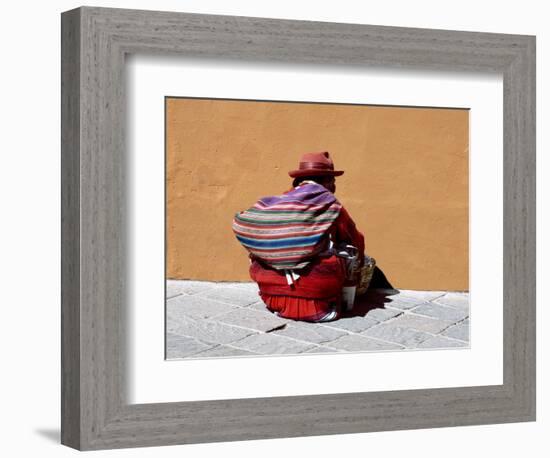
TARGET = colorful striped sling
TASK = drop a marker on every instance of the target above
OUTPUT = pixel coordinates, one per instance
(286, 231)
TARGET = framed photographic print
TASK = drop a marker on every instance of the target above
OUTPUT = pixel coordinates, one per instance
(407, 187)
(221, 174)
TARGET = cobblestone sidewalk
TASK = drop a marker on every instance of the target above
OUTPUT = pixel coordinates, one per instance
(208, 319)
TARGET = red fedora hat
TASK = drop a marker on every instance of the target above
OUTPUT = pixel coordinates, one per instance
(315, 164)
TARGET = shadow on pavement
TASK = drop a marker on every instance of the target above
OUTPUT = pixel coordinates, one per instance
(376, 296)
(372, 299)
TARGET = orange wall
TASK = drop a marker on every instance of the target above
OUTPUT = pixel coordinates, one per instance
(405, 185)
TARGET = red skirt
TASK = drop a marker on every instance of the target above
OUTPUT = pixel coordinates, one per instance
(317, 292)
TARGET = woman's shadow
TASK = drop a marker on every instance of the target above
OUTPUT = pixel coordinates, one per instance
(376, 296)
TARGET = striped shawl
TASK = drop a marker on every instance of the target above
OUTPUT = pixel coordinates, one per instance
(287, 231)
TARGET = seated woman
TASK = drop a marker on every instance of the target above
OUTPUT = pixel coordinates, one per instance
(303, 245)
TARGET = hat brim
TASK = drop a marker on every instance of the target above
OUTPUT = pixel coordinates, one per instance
(315, 173)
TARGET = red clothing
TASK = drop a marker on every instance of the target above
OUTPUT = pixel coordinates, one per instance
(344, 230)
(319, 288)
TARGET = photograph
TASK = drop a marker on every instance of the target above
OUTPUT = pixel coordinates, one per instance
(300, 228)
(288, 226)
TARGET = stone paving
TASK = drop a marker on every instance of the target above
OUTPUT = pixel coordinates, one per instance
(222, 319)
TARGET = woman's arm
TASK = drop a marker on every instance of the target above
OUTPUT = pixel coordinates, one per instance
(346, 231)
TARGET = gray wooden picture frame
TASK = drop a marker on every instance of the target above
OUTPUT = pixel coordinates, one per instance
(95, 411)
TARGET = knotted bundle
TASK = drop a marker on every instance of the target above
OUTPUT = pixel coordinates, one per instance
(287, 231)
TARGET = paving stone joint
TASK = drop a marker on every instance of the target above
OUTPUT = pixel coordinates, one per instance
(228, 319)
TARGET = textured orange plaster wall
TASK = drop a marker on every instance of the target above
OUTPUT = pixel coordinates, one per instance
(405, 185)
